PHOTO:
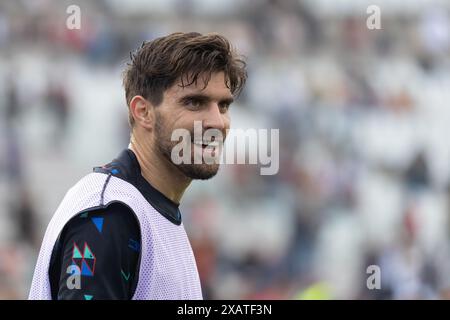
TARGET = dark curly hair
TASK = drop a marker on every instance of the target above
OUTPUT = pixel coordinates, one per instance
(158, 64)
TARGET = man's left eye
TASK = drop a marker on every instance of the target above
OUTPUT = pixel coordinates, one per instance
(224, 106)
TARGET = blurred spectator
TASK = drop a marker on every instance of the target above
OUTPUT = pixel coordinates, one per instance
(363, 117)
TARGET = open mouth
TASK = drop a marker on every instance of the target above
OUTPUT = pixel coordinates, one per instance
(207, 144)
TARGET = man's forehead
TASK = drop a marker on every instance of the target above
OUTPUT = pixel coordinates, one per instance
(216, 87)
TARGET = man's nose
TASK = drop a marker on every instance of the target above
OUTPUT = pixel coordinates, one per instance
(214, 119)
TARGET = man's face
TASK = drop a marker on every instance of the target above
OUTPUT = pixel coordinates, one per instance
(180, 108)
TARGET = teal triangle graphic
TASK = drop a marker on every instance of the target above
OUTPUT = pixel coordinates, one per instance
(88, 297)
(84, 215)
(126, 276)
(87, 253)
(76, 252)
(98, 223)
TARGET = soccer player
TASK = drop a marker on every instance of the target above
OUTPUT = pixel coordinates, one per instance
(118, 233)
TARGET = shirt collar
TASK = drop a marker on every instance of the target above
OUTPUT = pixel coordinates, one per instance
(126, 167)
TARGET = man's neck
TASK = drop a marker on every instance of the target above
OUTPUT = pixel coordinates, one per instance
(161, 174)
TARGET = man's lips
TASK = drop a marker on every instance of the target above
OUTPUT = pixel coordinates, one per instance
(205, 144)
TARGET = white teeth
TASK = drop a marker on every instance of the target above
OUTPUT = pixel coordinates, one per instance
(214, 144)
(207, 143)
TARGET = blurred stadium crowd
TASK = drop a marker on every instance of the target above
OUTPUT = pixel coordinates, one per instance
(363, 118)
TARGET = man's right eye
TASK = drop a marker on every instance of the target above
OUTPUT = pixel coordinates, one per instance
(194, 103)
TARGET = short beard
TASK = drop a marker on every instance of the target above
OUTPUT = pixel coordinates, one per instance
(164, 146)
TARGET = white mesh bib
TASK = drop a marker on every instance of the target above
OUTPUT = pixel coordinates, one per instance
(167, 267)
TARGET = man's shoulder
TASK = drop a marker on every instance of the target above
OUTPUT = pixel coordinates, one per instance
(89, 183)
(94, 191)
(85, 193)
(112, 182)
(117, 214)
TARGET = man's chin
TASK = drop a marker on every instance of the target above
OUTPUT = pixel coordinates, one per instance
(199, 171)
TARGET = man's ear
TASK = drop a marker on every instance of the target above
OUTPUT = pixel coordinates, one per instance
(143, 112)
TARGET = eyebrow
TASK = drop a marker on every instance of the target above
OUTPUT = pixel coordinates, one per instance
(204, 98)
